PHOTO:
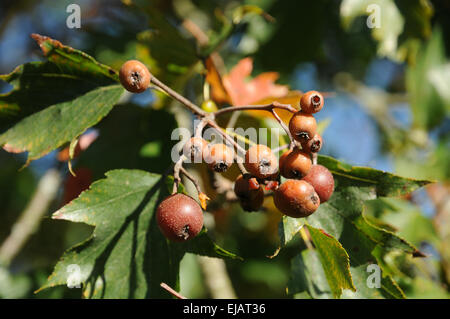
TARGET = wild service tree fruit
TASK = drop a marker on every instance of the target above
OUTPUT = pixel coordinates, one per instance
(302, 126)
(296, 198)
(134, 76)
(261, 162)
(322, 180)
(179, 217)
(249, 193)
(220, 157)
(313, 145)
(196, 149)
(311, 102)
(296, 165)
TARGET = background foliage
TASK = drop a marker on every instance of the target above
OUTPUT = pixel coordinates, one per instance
(387, 108)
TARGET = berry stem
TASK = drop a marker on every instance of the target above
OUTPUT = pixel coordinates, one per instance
(191, 178)
(282, 124)
(176, 174)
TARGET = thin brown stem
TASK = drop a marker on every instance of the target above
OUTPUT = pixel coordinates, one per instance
(191, 106)
(191, 178)
(265, 107)
(172, 291)
(214, 125)
(176, 174)
(282, 124)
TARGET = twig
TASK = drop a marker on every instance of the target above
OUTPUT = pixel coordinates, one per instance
(214, 125)
(216, 278)
(282, 124)
(265, 107)
(191, 178)
(176, 174)
(29, 220)
(172, 291)
(191, 106)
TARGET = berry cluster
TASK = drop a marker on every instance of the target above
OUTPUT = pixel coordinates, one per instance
(307, 184)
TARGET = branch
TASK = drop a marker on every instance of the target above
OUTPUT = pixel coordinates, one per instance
(216, 278)
(172, 291)
(29, 220)
(191, 106)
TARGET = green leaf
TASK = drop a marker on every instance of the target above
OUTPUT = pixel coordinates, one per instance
(122, 136)
(426, 84)
(126, 256)
(343, 218)
(289, 228)
(334, 259)
(37, 85)
(53, 102)
(50, 128)
(377, 183)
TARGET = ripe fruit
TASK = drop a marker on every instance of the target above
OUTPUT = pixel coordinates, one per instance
(220, 157)
(313, 145)
(322, 180)
(179, 217)
(134, 76)
(261, 162)
(250, 196)
(282, 160)
(195, 149)
(296, 165)
(296, 198)
(311, 102)
(302, 126)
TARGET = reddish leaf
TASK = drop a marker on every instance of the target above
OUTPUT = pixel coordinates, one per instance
(243, 92)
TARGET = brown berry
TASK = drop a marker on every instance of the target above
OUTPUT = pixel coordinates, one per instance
(219, 157)
(296, 198)
(261, 162)
(196, 149)
(302, 126)
(179, 217)
(296, 165)
(134, 76)
(322, 180)
(313, 145)
(311, 102)
(250, 198)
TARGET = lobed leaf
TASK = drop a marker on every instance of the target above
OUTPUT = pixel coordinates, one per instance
(127, 256)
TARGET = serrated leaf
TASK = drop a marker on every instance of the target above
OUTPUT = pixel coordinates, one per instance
(289, 228)
(334, 259)
(343, 218)
(50, 128)
(53, 102)
(126, 256)
(423, 83)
